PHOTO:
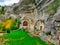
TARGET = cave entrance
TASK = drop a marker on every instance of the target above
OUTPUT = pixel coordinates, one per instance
(25, 23)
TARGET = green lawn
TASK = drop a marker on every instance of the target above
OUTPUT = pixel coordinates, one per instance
(20, 37)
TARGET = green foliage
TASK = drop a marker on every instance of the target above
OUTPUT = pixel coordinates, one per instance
(48, 33)
(14, 25)
(22, 38)
(9, 25)
(52, 8)
(1, 10)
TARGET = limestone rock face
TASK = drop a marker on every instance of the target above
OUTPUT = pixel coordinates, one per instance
(24, 10)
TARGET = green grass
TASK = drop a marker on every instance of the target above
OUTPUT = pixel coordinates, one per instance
(22, 38)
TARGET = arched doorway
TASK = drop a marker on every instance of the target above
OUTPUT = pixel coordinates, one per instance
(25, 23)
(39, 26)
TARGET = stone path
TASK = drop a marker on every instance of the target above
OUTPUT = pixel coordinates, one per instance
(1, 38)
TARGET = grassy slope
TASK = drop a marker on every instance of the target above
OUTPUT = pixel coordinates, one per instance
(22, 38)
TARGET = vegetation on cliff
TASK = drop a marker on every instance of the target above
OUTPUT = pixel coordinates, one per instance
(1, 10)
(52, 8)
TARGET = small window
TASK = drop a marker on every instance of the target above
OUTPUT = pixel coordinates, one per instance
(40, 27)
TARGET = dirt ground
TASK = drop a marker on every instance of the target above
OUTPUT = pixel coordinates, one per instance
(1, 38)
